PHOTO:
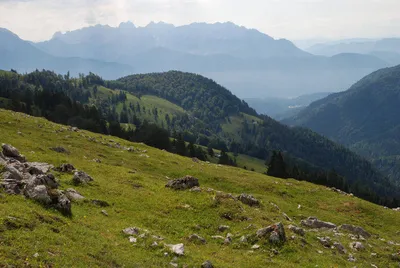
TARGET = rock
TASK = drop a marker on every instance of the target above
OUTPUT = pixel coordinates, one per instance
(286, 216)
(81, 177)
(297, 230)
(100, 203)
(355, 230)
(275, 251)
(395, 256)
(63, 204)
(36, 255)
(131, 231)
(357, 246)
(97, 160)
(66, 168)
(177, 249)
(255, 246)
(10, 151)
(248, 200)
(132, 239)
(59, 149)
(223, 228)
(217, 237)
(36, 168)
(207, 264)
(276, 233)
(351, 258)
(154, 244)
(325, 241)
(45, 179)
(228, 240)
(38, 193)
(313, 222)
(195, 238)
(73, 195)
(173, 264)
(243, 239)
(104, 212)
(195, 189)
(340, 248)
(184, 183)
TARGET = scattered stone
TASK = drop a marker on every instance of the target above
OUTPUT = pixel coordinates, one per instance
(131, 231)
(355, 230)
(184, 183)
(62, 203)
(60, 149)
(195, 159)
(395, 256)
(313, 222)
(66, 168)
(223, 228)
(228, 239)
(104, 212)
(154, 244)
(173, 264)
(217, 237)
(97, 160)
(73, 195)
(351, 258)
(177, 249)
(36, 255)
(357, 246)
(286, 216)
(81, 177)
(320, 252)
(299, 207)
(255, 246)
(243, 239)
(325, 241)
(100, 203)
(374, 255)
(275, 251)
(195, 238)
(195, 189)
(275, 206)
(248, 200)
(340, 248)
(207, 264)
(11, 151)
(132, 239)
(297, 230)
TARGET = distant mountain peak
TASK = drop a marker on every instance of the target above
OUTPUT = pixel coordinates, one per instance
(127, 25)
(159, 24)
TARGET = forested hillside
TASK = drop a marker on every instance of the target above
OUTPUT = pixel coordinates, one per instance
(189, 107)
(365, 118)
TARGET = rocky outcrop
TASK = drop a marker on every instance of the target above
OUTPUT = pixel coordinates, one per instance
(325, 241)
(184, 183)
(276, 233)
(355, 230)
(32, 180)
(313, 222)
(248, 200)
(81, 177)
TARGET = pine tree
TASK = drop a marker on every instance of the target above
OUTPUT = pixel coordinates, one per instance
(277, 166)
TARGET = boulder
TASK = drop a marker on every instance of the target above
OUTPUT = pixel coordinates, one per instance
(81, 177)
(45, 179)
(207, 264)
(10, 151)
(355, 230)
(63, 204)
(177, 249)
(276, 233)
(195, 238)
(39, 193)
(36, 168)
(313, 222)
(248, 200)
(73, 195)
(340, 248)
(184, 183)
(297, 230)
(66, 168)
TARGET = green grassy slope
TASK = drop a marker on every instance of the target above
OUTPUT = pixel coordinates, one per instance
(134, 184)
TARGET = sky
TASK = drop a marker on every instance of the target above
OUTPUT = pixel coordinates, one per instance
(38, 20)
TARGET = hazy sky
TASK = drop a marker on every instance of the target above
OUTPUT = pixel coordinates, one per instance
(292, 19)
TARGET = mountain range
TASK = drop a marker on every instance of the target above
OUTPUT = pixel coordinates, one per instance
(250, 63)
(365, 118)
